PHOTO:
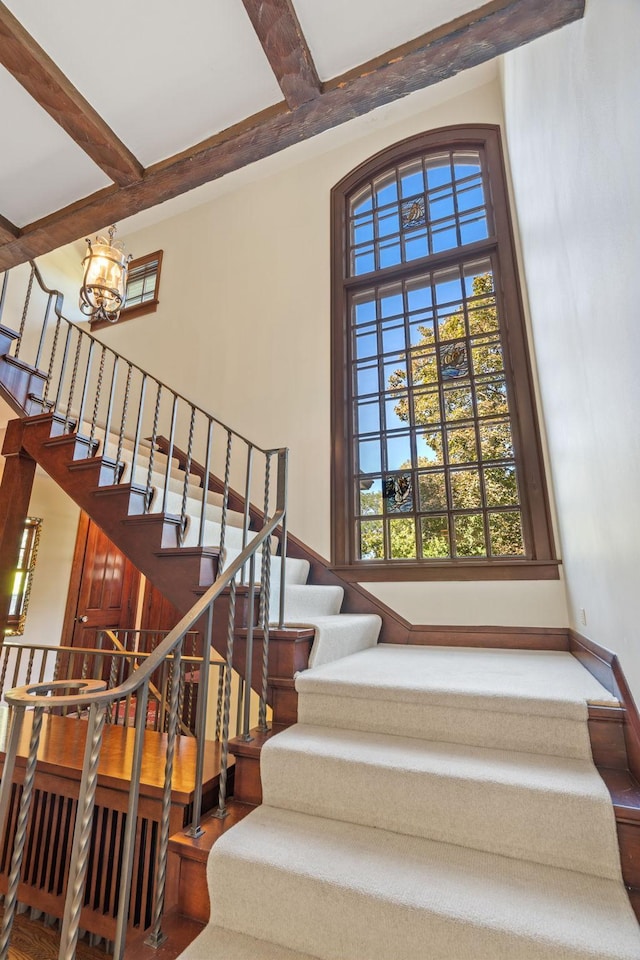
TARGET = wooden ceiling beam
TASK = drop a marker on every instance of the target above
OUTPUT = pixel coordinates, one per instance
(279, 32)
(7, 230)
(46, 83)
(494, 29)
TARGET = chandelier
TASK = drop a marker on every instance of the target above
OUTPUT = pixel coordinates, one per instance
(104, 285)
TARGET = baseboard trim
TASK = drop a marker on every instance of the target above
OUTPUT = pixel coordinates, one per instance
(508, 638)
(605, 666)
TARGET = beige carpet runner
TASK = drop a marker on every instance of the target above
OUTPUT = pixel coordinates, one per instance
(431, 803)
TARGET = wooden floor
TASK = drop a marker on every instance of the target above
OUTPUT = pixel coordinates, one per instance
(32, 940)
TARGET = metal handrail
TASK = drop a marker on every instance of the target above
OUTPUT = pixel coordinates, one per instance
(85, 333)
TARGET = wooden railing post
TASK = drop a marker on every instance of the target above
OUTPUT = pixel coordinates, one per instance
(15, 494)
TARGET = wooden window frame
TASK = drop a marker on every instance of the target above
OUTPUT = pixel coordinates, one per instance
(16, 621)
(140, 309)
(540, 561)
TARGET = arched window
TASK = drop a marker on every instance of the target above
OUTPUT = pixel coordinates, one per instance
(437, 466)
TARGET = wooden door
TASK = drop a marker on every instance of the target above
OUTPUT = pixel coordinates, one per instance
(103, 591)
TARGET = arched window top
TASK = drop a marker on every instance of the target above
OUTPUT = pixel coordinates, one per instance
(425, 205)
(436, 451)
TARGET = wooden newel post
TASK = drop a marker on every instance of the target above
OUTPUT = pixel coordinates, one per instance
(15, 494)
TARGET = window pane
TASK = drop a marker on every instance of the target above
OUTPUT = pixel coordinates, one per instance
(469, 532)
(495, 441)
(461, 444)
(398, 452)
(402, 538)
(371, 540)
(505, 530)
(398, 493)
(368, 417)
(435, 537)
(369, 456)
(366, 378)
(429, 448)
(465, 489)
(433, 491)
(370, 496)
(501, 486)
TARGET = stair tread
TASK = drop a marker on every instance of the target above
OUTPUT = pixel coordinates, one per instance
(383, 882)
(546, 809)
(497, 679)
(216, 943)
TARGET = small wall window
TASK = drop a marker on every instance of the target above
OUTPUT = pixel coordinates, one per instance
(143, 288)
(23, 576)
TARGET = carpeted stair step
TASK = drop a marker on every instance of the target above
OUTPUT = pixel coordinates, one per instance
(525, 700)
(296, 571)
(220, 944)
(341, 891)
(312, 600)
(544, 809)
(342, 635)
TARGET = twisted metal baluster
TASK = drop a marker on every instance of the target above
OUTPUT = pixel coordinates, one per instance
(247, 503)
(21, 833)
(3, 292)
(112, 391)
(185, 486)
(131, 823)
(82, 833)
(125, 407)
(156, 937)
(72, 387)
(195, 829)
(263, 614)
(96, 405)
(63, 368)
(183, 677)
(248, 661)
(136, 441)
(221, 812)
(3, 675)
(222, 554)
(172, 434)
(43, 332)
(191, 685)
(154, 436)
(32, 654)
(221, 672)
(283, 466)
(205, 483)
(54, 347)
(24, 312)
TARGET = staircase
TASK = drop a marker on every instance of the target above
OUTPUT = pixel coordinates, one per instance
(175, 490)
(430, 803)
(413, 808)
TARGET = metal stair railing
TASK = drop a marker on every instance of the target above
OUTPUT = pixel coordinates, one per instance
(73, 386)
(92, 696)
(124, 411)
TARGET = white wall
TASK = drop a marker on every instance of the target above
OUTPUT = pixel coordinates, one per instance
(45, 614)
(571, 105)
(245, 301)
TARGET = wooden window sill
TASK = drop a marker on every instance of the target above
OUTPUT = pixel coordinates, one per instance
(129, 313)
(449, 570)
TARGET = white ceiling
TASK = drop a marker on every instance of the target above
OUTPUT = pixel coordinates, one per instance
(345, 33)
(41, 168)
(164, 75)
